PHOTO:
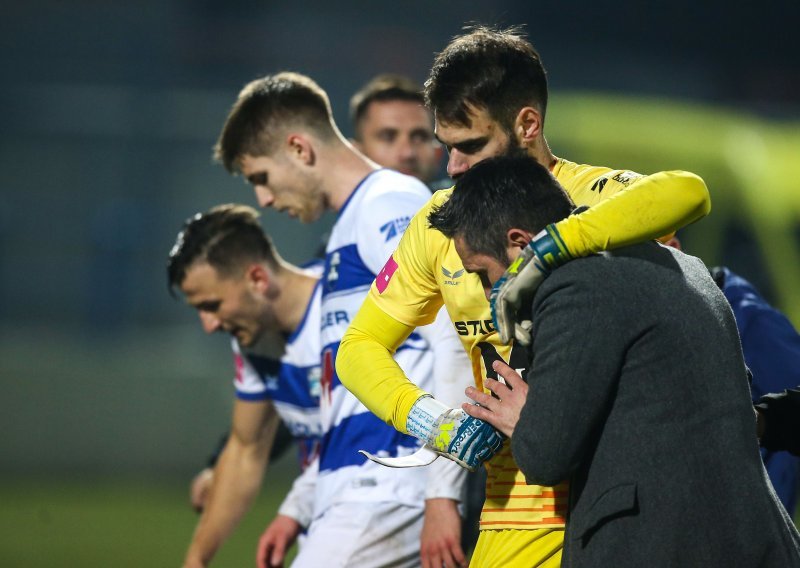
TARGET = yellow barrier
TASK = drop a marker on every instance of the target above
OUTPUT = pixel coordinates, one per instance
(751, 166)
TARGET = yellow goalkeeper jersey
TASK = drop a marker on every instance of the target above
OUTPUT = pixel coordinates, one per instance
(425, 272)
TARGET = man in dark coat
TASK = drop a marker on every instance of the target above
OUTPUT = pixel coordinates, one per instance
(638, 390)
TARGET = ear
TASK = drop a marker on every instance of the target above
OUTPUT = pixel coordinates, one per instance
(300, 149)
(518, 239)
(258, 278)
(528, 125)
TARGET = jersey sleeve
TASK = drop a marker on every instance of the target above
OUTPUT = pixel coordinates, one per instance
(247, 381)
(299, 502)
(627, 208)
(389, 215)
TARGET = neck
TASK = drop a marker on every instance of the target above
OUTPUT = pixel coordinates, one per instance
(542, 154)
(294, 289)
(344, 168)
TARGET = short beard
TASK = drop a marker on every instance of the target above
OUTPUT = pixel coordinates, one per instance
(514, 150)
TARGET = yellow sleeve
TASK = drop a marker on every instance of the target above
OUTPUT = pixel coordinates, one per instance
(366, 368)
(650, 207)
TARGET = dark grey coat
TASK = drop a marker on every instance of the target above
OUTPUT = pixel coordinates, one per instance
(639, 396)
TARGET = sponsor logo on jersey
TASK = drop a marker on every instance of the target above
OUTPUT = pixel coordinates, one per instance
(334, 318)
(395, 227)
(271, 382)
(474, 327)
(627, 177)
(301, 429)
(385, 275)
(599, 185)
(452, 276)
(314, 386)
(361, 482)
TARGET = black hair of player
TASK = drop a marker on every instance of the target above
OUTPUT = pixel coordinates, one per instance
(227, 237)
(498, 194)
(496, 70)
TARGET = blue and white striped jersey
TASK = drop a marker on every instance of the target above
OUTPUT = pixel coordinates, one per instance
(367, 230)
(292, 382)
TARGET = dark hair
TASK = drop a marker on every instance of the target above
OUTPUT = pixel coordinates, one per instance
(264, 109)
(382, 88)
(496, 70)
(498, 194)
(227, 237)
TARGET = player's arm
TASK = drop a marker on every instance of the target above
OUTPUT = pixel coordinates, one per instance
(201, 483)
(237, 478)
(364, 362)
(650, 207)
(366, 368)
(628, 212)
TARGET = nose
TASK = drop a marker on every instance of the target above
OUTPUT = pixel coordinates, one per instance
(457, 164)
(264, 196)
(407, 150)
(211, 323)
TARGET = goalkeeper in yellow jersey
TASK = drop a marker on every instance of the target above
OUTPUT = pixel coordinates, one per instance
(488, 92)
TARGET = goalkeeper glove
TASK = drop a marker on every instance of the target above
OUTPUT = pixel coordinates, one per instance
(519, 282)
(454, 434)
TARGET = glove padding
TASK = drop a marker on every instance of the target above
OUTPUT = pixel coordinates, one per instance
(466, 440)
(515, 289)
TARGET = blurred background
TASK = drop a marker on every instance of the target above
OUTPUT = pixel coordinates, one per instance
(112, 396)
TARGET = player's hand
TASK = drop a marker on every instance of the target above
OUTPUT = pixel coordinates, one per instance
(515, 289)
(440, 543)
(503, 411)
(192, 561)
(200, 487)
(278, 537)
(464, 439)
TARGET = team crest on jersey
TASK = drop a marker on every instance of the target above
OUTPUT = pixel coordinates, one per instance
(452, 277)
(332, 272)
(395, 227)
(385, 275)
(238, 362)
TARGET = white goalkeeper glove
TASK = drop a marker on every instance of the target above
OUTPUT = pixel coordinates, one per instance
(452, 433)
(519, 282)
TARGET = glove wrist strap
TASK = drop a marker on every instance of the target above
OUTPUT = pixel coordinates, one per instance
(550, 248)
(423, 415)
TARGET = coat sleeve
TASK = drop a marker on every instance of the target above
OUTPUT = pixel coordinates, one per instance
(578, 354)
